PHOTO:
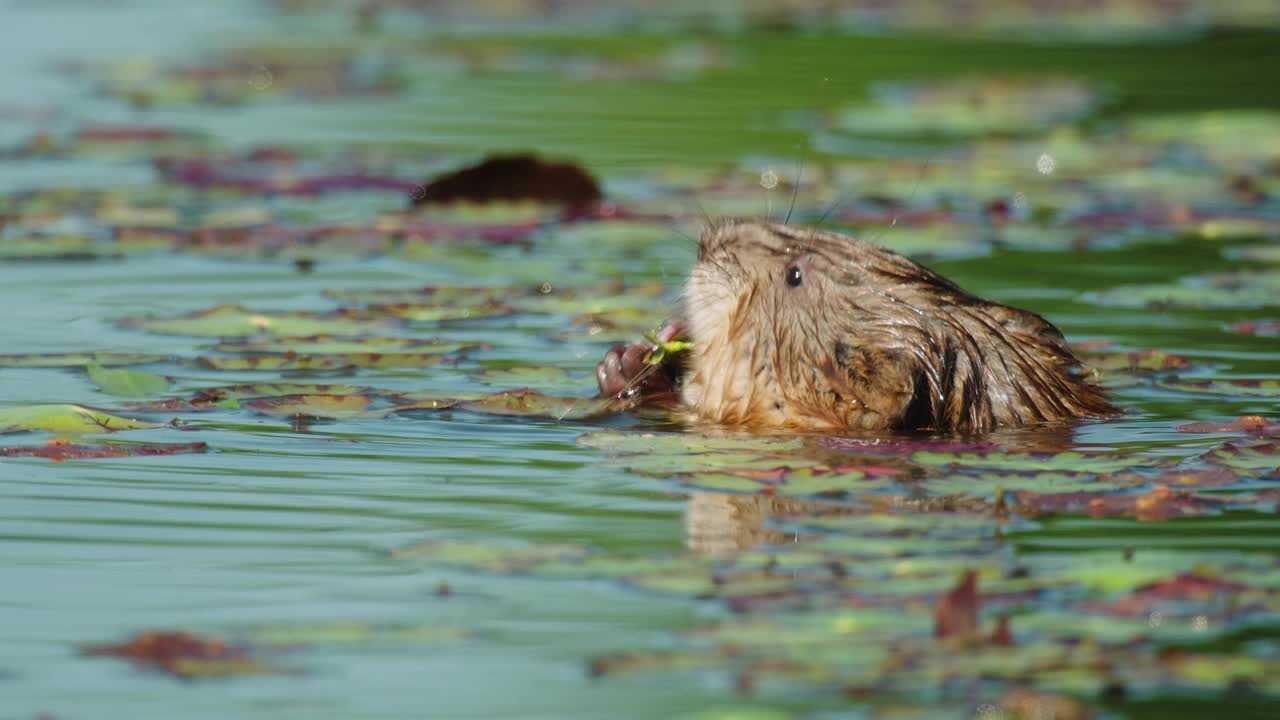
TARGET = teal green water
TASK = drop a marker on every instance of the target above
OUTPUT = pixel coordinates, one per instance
(279, 526)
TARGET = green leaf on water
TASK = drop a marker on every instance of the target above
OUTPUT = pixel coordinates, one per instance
(1070, 461)
(332, 345)
(335, 361)
(104, 359)
(125, 382)
(1227, 387)
(317, 406)
(236, 321)
(355, 634)
(66, 420)
(547, 376)
(524, 402)
(434, 313)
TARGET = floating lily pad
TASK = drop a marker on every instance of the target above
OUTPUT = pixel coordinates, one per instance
(1229, 387)
(104, 359)
(125, 382)
(317, 406)
(356, 634)
(1074, 462)
(58, 247)
(1240, 289)
(1263, 456)
(493, 558)
(987, 484)
(821, 480)
(527, 376)
(1159, 504)
(333, 361)
(970, 107)
(426, 295)
(524, 402)
(330, 345)
(66, 419)
(257, 390)
(1244, 425)
(430, 313)
(1132, 363)
(62, 450)
(236, 321)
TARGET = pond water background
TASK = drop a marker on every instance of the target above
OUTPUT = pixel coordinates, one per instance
(278, 526)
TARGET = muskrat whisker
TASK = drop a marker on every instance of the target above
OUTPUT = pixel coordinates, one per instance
(910, 199)
(795, 189)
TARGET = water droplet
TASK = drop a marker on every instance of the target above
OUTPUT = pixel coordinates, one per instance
(769, 179)
(1045, 164)
(260, 78)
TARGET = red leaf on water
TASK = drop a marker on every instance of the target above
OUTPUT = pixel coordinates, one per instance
(1261, 328)
(182, 654)
(956, 612)
(1002, 635)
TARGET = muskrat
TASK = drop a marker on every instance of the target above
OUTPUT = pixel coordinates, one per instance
(813, 330)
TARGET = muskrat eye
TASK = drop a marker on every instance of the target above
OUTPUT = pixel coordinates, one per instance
(793, 276)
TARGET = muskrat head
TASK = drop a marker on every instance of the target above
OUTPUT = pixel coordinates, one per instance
(812, 329)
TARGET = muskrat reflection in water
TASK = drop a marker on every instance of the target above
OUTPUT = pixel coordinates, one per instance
(812, 330)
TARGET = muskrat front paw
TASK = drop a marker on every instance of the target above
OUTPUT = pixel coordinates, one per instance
(627, 370)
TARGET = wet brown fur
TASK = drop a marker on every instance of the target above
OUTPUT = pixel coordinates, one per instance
(869, 340)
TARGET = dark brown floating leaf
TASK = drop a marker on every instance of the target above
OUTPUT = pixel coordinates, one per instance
(61, 450)
(182, 654)
(513, 177)
(956, 613)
